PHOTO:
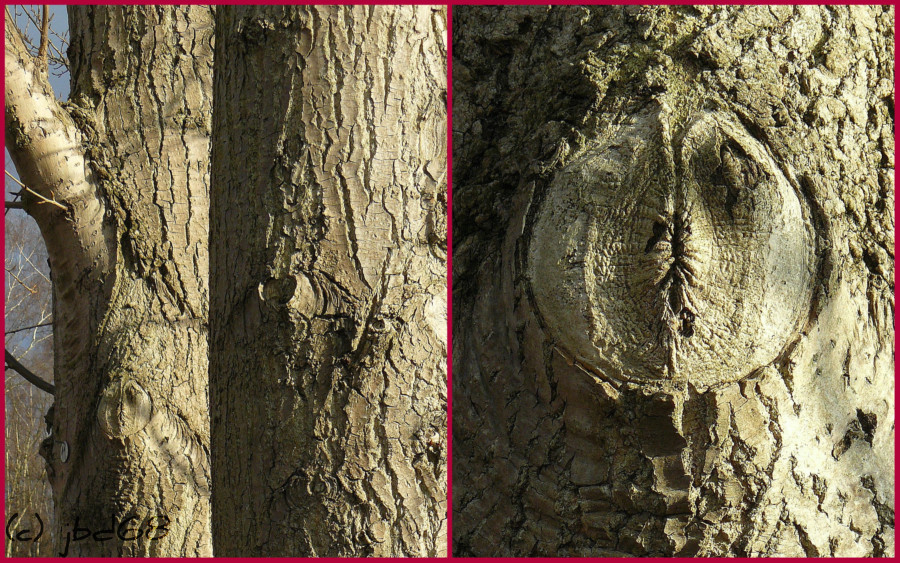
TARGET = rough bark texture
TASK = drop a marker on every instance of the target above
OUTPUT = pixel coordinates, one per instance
(328, 365)
(673, 290)
(128, 159)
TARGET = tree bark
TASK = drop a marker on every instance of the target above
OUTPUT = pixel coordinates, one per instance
(327, 375)
(673, 291)
(127, 160)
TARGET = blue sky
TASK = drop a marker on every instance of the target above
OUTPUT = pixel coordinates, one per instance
(59, 22)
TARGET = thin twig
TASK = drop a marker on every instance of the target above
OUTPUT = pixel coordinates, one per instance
(27, 258)
(33, 19)
(13, 363)
(61, 38)
(15, 204)
(61, 58)
(53, 201)
(24, 328)
(14, 179)
(31, 290)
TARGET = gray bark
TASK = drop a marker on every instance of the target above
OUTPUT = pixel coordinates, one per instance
(328, 248)
(127, 159)
(673, 292)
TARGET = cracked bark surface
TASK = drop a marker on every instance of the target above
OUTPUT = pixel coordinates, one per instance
(127, 157)
(673, 291)
(328, 349)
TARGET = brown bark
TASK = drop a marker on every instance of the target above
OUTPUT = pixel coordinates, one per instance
(328, 278)
(128, 159)
(28, 335)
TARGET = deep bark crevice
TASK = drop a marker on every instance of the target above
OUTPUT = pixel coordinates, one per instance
(129, 270)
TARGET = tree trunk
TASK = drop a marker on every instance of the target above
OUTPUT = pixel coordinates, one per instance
(327, 374)
(673, 292)
(127, 163)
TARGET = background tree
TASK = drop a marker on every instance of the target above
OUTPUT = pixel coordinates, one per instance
(630, 184)
(29, 326)
(328, 248)
(126, 163)
(28, 338)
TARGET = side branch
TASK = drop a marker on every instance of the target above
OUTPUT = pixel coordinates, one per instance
(47, 149)
(29, 376)
(24, 187)
(24, 328)
(45, 35)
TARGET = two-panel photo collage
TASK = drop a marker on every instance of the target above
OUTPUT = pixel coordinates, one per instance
(449, 281)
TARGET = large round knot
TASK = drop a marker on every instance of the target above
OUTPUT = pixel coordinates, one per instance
(686, 260)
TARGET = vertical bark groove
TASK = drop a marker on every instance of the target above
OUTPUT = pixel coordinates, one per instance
(327, 377)
(130, 275)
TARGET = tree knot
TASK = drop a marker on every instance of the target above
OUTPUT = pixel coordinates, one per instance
(125, 408)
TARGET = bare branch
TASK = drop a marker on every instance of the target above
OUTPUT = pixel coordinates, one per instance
(13, 363)
(15, 204)
(37, 270)
(31, 290)
(13, 178)
(60, 59)
(31, 13)
(45, 37)
(24, 328)
(48, 153)
(13, 28)
(62, 38)
(45, 200)
(48, 53)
